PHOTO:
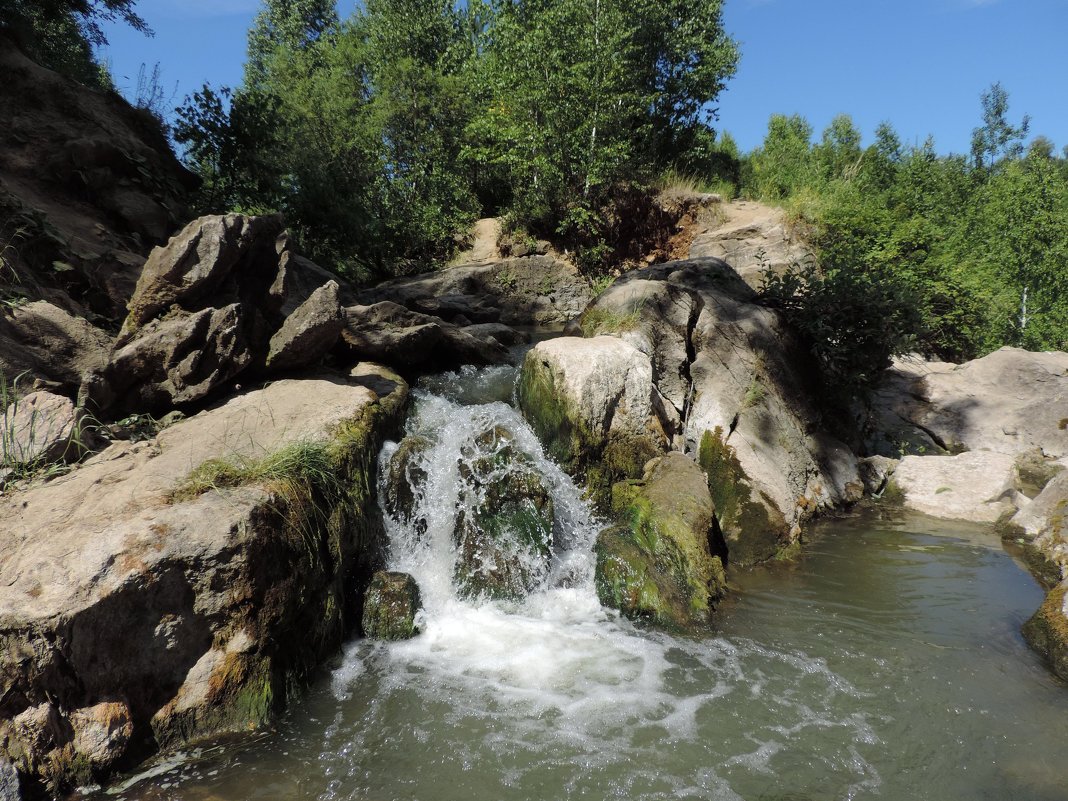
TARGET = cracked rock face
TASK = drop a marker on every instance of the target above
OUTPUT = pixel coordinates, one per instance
(730, 370)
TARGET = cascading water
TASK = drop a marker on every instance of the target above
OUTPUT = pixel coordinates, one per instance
(886, 664)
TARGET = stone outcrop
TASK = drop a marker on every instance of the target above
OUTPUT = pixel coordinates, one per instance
(222, 560)
(975, 486)
(1047, 630)
(591, 401)
(391, 333)
(732, 380)
(752, 237)
(657, 565)
(49, 347)
(537, 289)
(210, 306)
(390, 606)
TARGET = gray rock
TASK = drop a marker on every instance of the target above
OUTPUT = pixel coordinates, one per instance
(505, 335)
(212, 259)
(191, 601)
(976, 486)
(38, 429)
(41, 341)
(875, 471)
(309, 332)
(297, 278)
(9, 782)
(178, 359)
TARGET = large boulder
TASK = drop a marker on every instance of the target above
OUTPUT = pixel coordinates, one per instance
(211, 305)
(738, 385)
(591, 401)
(408, 340)
(657, 565)
(975, 486)
(224, 560)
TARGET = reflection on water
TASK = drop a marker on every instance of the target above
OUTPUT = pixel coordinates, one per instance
(886, 663)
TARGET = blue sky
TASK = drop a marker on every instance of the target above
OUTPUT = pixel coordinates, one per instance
(920, 64)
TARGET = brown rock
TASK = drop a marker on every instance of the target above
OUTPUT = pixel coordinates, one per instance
(309, 332)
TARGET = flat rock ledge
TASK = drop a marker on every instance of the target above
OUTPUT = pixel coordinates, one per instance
(183, 587)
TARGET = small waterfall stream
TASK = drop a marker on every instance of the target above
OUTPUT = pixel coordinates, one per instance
(886, 664)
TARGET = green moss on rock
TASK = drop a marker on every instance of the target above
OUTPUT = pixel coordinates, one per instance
(656, 565)
(1047, 630)
(390, 606)
(753, 528)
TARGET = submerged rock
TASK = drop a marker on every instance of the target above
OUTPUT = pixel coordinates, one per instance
(1047, 630)
(405, 481)
(657, 566)
(504, 530)
(390, 606)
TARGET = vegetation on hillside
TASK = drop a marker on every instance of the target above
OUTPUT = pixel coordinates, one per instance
(383, 135)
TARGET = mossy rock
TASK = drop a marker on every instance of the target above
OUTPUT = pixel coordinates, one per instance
(1035, 471)
(598, 459)
(405, 477)
(390, 606)
(752, 526)
(1047, 630)
(656, 565)
(504, 531)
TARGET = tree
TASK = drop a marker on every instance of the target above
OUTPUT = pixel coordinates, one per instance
(784, 162)
(838, 154)
(996, 139)
(61, 34)
(296, 25)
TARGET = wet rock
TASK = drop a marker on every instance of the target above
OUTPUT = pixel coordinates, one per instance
(504, 531)
(38, 429)
(101, 733)
(1047, 630)
(875, 472)
(1034, 471)
(309, 332)
(406, 481)
(390, 607)
(1042, 527)
(188, 588)
(505, 335)
(591, 403)
(725, 364)
(475, 308)
(657, 566)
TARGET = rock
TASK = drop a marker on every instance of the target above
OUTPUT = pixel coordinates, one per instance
(405, 481)
(297, 279)
(171, 361)
(657, 565)
(875, 472)
(101, 733)
(536, 289)
(475, 308)
(390, 607)
(1047, 630)
(1009, 401)
(165, 575)
(309, 332)
(732, 376)
(752, 238)
(1042, 527)
(39, 429)
(505, 335)
(390, 333)
(1034, 471)
(976, 486)
(504, 530)
(216, 260)
(40, 340)
(590, 402)
(9, 782)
